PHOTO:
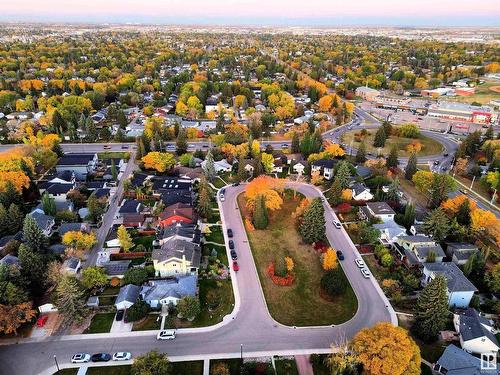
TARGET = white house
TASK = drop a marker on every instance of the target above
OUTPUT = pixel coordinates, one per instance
(390, 231)
(361, 193)
(380, 210)
(127, 296)
(476, 332)
(324, 167)
(220, 166)
(460, 290)
(80, 164)
(299, 167)
(169, 291)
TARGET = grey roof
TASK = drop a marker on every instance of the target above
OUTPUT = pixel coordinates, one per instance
(116, 267)
(72, 263)
(363, 171)
(5, 240)
(9, 260)
(130, 206)
(459, 362)
(128, 293)
(57, 248)
(42, 220)
(325, 163)
(178, 287)
(76, 159)
(359, 188)
(462, 251)
(178, 248)
(472, 326)
(70, 227)
(423, 251)
(93, 301)
(416, 239)
(188, 231)
(455, 279)
(380, 208)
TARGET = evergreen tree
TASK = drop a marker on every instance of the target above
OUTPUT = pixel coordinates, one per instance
(70, 300)
(437, 224)
(316, 142)
(10, 195)
(295, 143)
(208, 167)
(16, 217)
(432, 309)
(258, 169)
(122, 119)
(306, 145)
(334, 194)
(4, 221)
(141, 150)
(119, 136)
(48, 204)
(380, 137)
(95, 208)
(204, 207)
(91, 130)
(392, 160)
(33, 237)
(463, 214)
(33, 269)
(411, 167)
(260, 217)
(58, 123)
(242, 172)
(387, 128)
(361, 154)
(394, 189)
(181, 143)
(312, 227)
(343, 174)
(114, 172)
(409, 215)
(489, 133)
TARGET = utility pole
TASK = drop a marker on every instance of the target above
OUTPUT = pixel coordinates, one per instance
(57, 364)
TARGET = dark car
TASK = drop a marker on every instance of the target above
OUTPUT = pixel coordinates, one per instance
(231, 244)
(100, 357)
(236, 184)
(445, 154)
(234, 256)
(340, 255)
(230, 233)
(119, 315)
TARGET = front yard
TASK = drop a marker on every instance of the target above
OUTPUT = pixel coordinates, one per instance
(301, 303)
(177, 368)
(101, 323)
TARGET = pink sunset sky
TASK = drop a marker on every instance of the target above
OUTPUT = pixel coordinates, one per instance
(165, 11)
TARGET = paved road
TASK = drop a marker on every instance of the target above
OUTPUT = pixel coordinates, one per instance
(250, 326)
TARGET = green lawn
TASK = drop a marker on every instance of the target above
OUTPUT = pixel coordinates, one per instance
(221, 252)
(215, 235)
(301, 303)
(67, 371)
(148, 324)
(110, 370)
(187, 368)
(106, 300)
(483, 95)
(101, 323)
(111, 291)
(218, 182)
(177, 368)
(114, 155)
(430, 146)
(146, 241)
(286, 367)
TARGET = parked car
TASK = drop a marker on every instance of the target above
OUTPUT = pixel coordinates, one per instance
(340, 255)
(119, 315)
(100, 357)
(80, 358)
(234, 256)
(236, 267)
(231, 244)
(122, 356)
(436, 162)
(236, 184)
(222, 197)
(337, 224)
(107, 147)
(359, 262)
(166, 334)
(366, 273)
(445, 154)
(230, 233)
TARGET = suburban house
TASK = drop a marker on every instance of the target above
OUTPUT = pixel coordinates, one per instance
(9, 260)
(417, 229)
(80, 164)
(59, 191)
(72, 227)
(160, 184)
(133, 220)
(71, 265)
(378, 210)
(127, 296)
(476, 332)
(188, 232)
(176, 256)
(177, 213)
(129, 206)
(277, 165)
(64, 177)
(116, 268)
(44, 222)
(324, 167)
(220, 166)
(169, 291)
(390, 231)
(455, 361)
(360, 192)
(460, 289)
(170, 197)
(460, 252)
(363, 172)
(417, 249)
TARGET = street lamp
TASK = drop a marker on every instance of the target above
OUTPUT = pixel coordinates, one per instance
(57, 364)
(241, 353)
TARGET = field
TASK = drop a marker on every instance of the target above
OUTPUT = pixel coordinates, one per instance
(299, 304)
(430, 146)
(484, 94)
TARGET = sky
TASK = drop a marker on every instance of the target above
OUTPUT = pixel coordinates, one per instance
(259, 12)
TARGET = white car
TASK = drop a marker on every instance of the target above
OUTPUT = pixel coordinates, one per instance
(122, 356)
(366, 273)
(337, 224)
(359, 263)
(167, 334)
(80, 358)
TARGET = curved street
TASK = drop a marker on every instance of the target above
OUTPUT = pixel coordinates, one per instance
(249, 328)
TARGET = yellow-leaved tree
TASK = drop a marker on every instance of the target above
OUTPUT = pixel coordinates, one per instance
(125, 239)
(160, 161)
(330, 261)
(270, 188)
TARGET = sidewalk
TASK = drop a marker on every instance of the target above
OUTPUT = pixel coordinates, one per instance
(303, 365)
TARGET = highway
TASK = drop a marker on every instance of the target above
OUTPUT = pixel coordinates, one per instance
(250, 324)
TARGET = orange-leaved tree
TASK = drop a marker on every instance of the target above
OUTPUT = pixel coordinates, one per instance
(160, 161)
(452, 205)
(269, 187)
(330, 259)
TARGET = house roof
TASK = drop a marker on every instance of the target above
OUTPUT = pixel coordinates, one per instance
(71, 263)
(472, 326)
(69, 227)
(459, 362)
(179, 209)
(178, 248)
(363, 172)
(358, 188)
(416, 239)
(380, 208)
(177, 287)
(128, 293)
(455, 279)
(102, 192)
(41, 219)
(57, 248)
(76, 159)
(9, 260)
(325, 163)
(462, 251)
(188, 231)
(5, 240)
(423, 251)
(130, 206)
(138, 179)
(116, 267)
(160, 183)
(56, 189)
(92, 185)
(133, 218)
(170, 197)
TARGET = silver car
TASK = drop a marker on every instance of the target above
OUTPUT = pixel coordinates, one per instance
(122, 356)
(80, 358)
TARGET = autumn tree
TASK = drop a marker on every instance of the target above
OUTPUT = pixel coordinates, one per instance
(208, 167)
(441, 185)
(125, 239)
(151, 363)
(270, 188)
(13, 316)
(219, 368)
(295, 143)
(188, 307)
(70, 300)
(160, 161)
(94, 277)
(330, 259)
(204, 206)
(78, 242)
(485, 223)
(386, 350)
(437, 224)
(312, 225)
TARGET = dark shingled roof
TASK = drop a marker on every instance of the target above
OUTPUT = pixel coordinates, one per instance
(325, 163)
(455, 279)
(76, 159)
(472, 326)
(128, 293)
(178, 248)
(458, 362)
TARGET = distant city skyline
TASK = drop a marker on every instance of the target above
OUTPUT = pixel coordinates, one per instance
(258, 12)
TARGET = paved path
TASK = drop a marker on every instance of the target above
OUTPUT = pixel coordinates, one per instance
(303, 365)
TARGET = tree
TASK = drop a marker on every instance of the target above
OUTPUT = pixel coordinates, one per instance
(13, 316)
(295, 143)
(409, 215)
(489, 133)
(312, 227)
(78, 240)
(70, 300)
(431, 312)
(493, 278)
(219, 368)
(437, 224)
(361, 154)
(394, 190)
(343, 174)
(334, 194)
(208, 167)
(141, 148)
(386, 350)
(392, 159)
(136, 276)
(114, 172)
(95, 208)
(122, 119)
(367, 234)
(269, 188)
(33, 236)
(260, 218)
(125, 239)
(137, 311)
(409, 131)
(4, 220)
(330, 261)
(334, 282)
(188, 307)
(380, 137)
(151, 363)
(267, 161)
(204, 206)
(94, 277)
(411, 167)
(485, 223)
(160, 161)
(441, 185)
(16, 218)
(181, 143)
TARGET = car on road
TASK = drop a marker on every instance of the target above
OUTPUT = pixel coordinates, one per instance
(122, 356)
(366, 273)
(205, 146)
(359, 262)
(340, 255)
(337, 224)
(284, 146)
(231, 244)
(166, 334)
(230, 233)
(80, 358)
(100, 357)
(436, 162)
(463, 191)
(236, 267)
(446, 154)
(124, 147)
(119, 315)
(107, 147)
(222, 196)
(234, 256)
(236, 184)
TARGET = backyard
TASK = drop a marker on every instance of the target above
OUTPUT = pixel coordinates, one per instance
(301, 303)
